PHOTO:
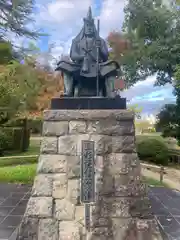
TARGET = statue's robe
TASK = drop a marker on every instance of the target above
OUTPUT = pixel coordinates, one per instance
(77, 56)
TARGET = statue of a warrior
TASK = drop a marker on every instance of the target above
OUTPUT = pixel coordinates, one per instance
(86, 67)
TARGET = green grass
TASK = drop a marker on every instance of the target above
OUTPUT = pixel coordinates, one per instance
(18, 174)
(26, 173)
(17, 161)
(154, 182)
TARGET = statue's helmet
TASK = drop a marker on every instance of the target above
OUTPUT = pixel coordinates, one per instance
(89, 19)
(89, 27)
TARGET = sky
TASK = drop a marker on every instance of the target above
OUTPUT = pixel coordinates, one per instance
(62, 21)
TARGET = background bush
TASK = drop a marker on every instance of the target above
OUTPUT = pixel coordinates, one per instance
(169, 131)
(15, 122)
(17, 139)
(14, 139)
(35, 125)
(20, 128)
(6, 139)
(153, 150)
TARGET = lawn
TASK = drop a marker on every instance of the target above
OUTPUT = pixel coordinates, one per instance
(26, 173)
(154, 182)
(21, 169)
(18, 174)
(17, 161)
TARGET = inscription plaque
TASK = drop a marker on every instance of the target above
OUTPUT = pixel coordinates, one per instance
(87, 172)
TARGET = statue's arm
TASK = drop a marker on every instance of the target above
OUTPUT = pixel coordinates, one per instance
(104, 51)
(74, 55)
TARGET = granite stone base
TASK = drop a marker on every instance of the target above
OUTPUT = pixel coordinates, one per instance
(121, 210)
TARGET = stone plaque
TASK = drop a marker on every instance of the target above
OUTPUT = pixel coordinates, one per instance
(87, 172)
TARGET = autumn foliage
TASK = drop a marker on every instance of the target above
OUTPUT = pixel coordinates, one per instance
(118, 44)
(52, 86)
(28, 88)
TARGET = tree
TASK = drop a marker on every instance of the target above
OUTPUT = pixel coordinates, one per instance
(6, 54)
(153, 32)
(19, 86)
(118, 44)
(14, 17)
(120, 49)
(51, 83)
(27, 87)
(136, 109)
(167, 121)
(167, 116)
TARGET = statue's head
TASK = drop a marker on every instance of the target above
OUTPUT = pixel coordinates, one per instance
(89, 27)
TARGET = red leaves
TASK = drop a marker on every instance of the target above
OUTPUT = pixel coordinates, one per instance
(118, 43)
(119, 83)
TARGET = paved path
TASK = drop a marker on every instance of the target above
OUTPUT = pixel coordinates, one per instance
(166, 207)
(13, 200)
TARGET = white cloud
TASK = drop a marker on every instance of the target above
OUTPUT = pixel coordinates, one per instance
(112, 16)
(63, 12)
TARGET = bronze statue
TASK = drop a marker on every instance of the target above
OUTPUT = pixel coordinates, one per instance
(89, 73)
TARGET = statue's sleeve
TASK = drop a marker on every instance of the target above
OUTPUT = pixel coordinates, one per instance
(104, 51)
(74, 55)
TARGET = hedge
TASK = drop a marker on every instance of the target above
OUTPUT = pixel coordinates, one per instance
(6, 140)
(35, 125)
(153, 150)
(14, 139)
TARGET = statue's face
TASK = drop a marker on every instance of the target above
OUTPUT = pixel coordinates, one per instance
(89, 29)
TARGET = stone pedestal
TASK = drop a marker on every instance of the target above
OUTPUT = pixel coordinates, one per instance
(121, 210)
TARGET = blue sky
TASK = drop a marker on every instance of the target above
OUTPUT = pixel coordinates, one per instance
(62, 20)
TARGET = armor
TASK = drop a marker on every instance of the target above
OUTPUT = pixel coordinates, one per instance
(88, 64)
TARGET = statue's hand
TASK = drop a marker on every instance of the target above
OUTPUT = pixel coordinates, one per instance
(98, 42)
(86, 51)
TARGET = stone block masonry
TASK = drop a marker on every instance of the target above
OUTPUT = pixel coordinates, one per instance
(121, 210)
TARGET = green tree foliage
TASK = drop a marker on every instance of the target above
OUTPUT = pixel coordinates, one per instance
(153, 32)
(167, 115)
(19, 87)
(136, 109)
(167, 121)
(27, 87)
(14, 17)
(5, 52)
(19, 83)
